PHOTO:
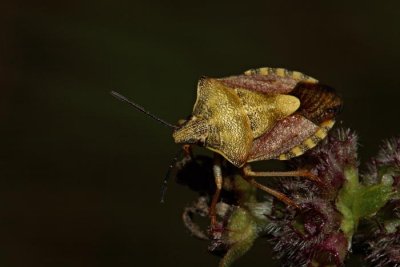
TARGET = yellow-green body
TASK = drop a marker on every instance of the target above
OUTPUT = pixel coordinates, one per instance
(252, 117)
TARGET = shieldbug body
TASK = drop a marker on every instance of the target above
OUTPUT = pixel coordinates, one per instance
(263, 114)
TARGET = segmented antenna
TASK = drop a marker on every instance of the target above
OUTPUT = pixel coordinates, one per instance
(141, 109)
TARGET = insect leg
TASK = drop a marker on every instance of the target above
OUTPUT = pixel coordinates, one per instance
(187, 152)
(297, 173)
(218, 182)
(199, 207)
(282, 197)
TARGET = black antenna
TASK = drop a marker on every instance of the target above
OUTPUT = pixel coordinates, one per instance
(140, 108)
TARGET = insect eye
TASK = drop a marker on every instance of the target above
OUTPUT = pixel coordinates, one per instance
(333, 110)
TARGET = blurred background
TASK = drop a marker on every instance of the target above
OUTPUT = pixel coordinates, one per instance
(80, 172)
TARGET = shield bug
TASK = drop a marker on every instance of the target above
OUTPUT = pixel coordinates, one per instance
(263, 114)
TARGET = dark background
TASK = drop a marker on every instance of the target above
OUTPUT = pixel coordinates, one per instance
(80, 172)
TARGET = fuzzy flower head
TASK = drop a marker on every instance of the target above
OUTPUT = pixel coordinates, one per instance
(336, 213)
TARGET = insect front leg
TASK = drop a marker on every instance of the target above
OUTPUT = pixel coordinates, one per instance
(176, 163)
(218, 182)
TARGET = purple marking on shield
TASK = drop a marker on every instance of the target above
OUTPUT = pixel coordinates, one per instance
(285, 135)
(268, 84)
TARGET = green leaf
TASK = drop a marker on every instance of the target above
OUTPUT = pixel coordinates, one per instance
(356, 201)
(372, 198)
(246, 222)
(242, 232)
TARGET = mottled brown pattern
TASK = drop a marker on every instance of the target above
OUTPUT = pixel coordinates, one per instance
(318, 102)
(285, 135)
(270, 84)
(263, 114)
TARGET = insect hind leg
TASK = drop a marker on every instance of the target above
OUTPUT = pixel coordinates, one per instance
(297, 173)
(282, 197)
(250, 174)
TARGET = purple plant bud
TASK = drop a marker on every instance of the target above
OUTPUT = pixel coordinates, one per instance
(386, 165)
(309, 235)
(331, 251)
(385, 250)
(313, 235)
(390, 153)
